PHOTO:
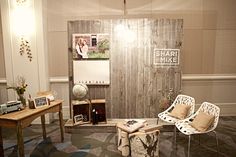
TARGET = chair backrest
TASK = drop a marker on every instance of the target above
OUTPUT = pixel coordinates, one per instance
(186, 100)
(210, 109)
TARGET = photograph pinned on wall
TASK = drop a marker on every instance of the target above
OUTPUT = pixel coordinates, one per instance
(91, 46)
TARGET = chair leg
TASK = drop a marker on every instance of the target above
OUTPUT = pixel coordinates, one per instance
(189, 143)
(217, 144)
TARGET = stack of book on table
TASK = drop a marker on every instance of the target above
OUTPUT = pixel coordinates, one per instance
(132, 125)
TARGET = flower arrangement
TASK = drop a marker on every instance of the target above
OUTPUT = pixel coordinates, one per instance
(167, 99)
(20, 88)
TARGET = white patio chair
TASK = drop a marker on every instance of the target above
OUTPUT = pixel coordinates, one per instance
(180, 99)
(185, 127)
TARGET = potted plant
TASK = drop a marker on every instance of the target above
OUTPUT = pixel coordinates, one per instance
(20, 88)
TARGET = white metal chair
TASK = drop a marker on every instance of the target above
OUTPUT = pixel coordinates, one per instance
(180, 99)
(185, 127)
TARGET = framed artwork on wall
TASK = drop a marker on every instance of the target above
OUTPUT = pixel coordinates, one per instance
(91, 46)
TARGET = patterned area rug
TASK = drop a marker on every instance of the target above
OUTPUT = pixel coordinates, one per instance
(226, 133)
(105, 144)
(74, 145)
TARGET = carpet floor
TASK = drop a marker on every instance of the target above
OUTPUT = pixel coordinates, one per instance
(87, 144)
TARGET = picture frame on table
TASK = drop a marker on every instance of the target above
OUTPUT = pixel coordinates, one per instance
(40, 101)
(78, 119)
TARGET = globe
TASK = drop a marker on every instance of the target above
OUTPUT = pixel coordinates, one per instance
(80, 90)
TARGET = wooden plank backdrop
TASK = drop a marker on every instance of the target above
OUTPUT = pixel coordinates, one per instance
(135, 83)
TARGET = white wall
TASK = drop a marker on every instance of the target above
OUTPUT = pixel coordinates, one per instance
(208, 56)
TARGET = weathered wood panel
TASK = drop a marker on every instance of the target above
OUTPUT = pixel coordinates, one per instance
(135, 84)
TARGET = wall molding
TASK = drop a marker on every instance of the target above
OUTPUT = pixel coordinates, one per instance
(185, 77)
(3, 81)
(61, 79)
(208, 77)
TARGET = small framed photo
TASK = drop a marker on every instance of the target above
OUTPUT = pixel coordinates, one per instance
(40, 101)
(78, 119)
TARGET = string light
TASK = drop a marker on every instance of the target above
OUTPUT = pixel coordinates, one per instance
(123, 29)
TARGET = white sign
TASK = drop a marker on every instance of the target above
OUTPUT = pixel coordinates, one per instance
(168, 57)
(92, 72)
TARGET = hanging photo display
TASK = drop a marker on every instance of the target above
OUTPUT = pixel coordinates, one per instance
(91, 58)
(91, 46)
(166, 57)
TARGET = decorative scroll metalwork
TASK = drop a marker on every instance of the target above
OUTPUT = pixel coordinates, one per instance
(25, 48)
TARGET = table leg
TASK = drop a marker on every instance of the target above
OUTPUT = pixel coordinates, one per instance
(1, 144)
(61, 125)
(20, 141)
(43, 126)
(125, 146)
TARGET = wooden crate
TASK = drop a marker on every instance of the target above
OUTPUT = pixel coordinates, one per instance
(100, 106)
(85, 108)
(82, 107)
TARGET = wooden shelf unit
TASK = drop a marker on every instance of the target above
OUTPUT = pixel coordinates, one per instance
(99, 106)
(85, 108)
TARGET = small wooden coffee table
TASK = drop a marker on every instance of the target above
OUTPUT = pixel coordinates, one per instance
(137, 131)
